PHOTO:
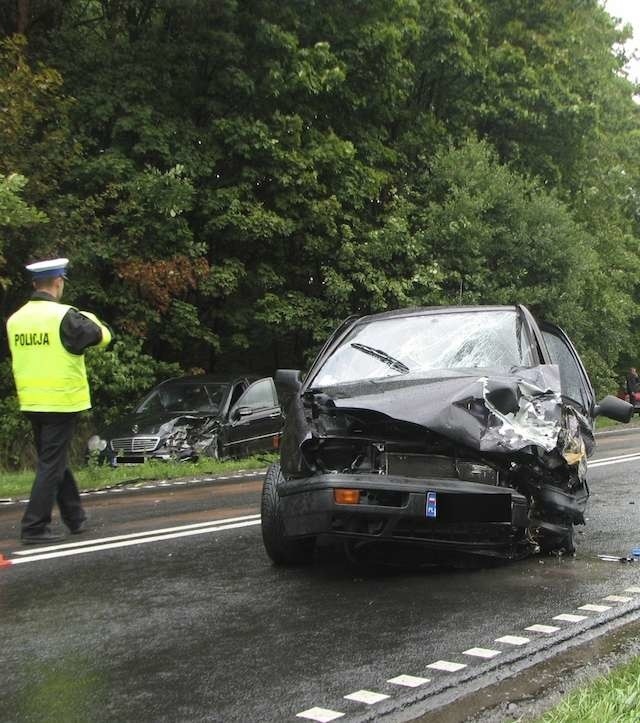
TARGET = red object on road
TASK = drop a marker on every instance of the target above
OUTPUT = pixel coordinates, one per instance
(4, 562)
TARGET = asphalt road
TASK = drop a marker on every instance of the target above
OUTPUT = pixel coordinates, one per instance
(181, 617)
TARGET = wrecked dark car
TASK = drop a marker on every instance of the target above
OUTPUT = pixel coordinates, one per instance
(440, 433)
(190, 417)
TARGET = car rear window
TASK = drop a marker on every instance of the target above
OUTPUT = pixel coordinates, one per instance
(428, 342)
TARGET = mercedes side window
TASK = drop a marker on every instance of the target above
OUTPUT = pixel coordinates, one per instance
(260, 395)
(153, 404)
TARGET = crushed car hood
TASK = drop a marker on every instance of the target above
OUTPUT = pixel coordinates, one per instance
(154, 424)
(483, 410)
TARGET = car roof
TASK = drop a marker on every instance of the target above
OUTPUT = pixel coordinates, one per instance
(425, 310)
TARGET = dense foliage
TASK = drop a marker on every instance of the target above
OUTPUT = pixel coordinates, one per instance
(231, 179)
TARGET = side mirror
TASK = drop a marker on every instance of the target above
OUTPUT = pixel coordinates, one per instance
(614, 408)
(242, 412)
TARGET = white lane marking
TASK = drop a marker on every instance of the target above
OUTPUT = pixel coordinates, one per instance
(322, 715)
(513, 640)
(409, 681)
(615, 460)
(634, 590)
(447, 666)
(133, 535)
(570, 618)
(617, 431)
(618, 598)
(547, 629)
(595, 608)
(129, 542)
(366, 696)
(481, 653)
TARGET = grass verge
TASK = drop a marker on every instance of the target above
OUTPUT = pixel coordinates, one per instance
(615, 697)
(18, 484)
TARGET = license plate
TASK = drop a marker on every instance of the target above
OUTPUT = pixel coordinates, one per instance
(130, 460)
(432, 504)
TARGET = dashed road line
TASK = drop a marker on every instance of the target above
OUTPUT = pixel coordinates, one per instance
(368, 697)
(485, 653)
(513, 640)
(321, 715)
(409, 681)
(546, 629)
(447, 666)
(570, 618)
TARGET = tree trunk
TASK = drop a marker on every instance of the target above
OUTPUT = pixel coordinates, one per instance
(23, 17)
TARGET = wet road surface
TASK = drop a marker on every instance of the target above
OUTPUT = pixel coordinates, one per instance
(200, 627)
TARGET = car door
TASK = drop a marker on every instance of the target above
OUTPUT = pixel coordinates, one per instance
(254, 420)
(575, 384)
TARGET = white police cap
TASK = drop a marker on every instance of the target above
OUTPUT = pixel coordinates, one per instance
(49, 269)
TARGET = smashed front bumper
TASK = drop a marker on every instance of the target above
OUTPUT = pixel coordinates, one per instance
(466, 517)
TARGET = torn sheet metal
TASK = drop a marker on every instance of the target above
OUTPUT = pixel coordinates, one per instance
(189, 434)
(535, 422)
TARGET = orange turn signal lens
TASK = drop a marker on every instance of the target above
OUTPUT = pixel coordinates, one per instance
(346, 497)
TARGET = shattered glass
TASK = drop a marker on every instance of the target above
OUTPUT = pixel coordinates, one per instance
(426, 342)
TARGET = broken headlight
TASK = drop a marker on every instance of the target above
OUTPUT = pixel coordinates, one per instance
(475, 472)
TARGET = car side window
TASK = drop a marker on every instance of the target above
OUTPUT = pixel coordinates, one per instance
(571, 376)
(152, 404)
(260, 395)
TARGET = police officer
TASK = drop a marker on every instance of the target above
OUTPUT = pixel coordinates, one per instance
(47, 340)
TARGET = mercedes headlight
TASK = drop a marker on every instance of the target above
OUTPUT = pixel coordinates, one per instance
(96, 444)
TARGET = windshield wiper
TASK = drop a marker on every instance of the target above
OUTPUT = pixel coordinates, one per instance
(382, 356)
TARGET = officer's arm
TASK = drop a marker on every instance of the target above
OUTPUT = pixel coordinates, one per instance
(82, 329)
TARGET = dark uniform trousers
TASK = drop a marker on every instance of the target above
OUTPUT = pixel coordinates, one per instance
(54, 481)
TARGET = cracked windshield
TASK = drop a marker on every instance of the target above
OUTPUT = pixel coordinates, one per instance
(423, 343)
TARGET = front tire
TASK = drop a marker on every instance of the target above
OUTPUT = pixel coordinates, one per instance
(281, 550)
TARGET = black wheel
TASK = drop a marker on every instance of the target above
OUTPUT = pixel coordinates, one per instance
(281, 550)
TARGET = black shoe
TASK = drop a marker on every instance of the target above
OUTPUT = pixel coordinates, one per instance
(40, 538)
(78, 528)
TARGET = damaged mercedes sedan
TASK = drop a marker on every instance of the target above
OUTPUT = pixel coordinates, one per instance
(197, 416)
(449, 432)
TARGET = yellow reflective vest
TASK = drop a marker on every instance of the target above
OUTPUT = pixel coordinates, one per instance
(48, 378)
